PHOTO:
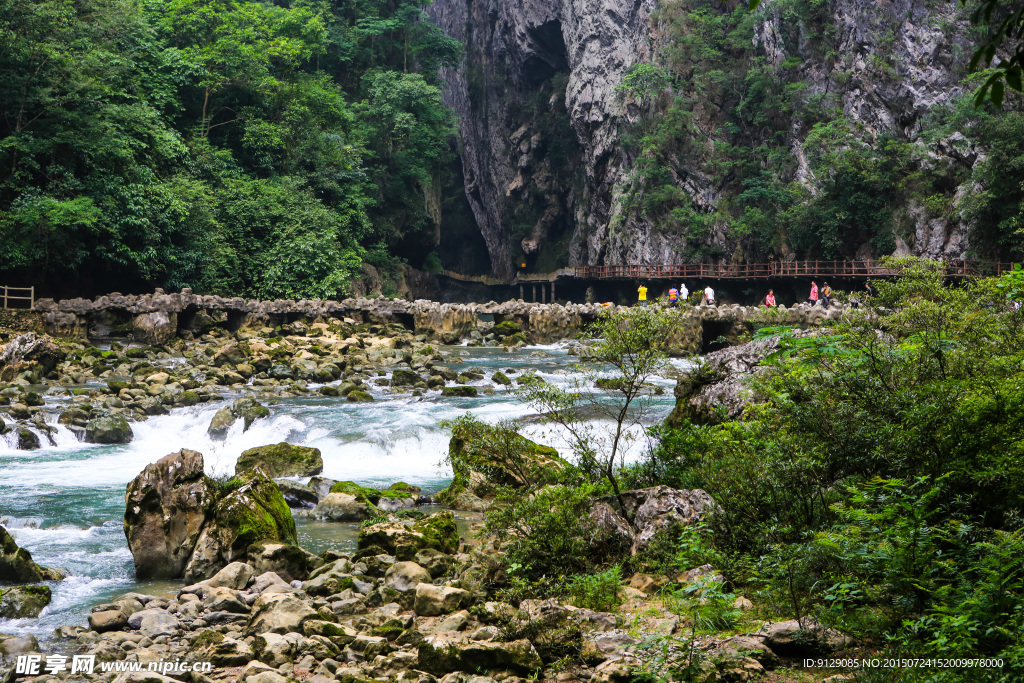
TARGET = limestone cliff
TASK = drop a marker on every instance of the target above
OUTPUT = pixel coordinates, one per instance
(548, 136)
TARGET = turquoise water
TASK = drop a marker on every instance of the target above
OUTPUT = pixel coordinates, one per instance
(65, 503)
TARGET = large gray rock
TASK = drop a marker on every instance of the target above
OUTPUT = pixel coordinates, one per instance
(16, 565)
(282, 460)
(341, 507)
(803, 638)
(279, 613)
(180, 523)
(432, 601)
(37, 354)
(109, 429)
(404, 576)
(651, 510)
(297, 495)
(157, 327)
(23, 602)
(166, 508)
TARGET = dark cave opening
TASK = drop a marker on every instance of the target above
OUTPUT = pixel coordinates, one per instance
(549, 55)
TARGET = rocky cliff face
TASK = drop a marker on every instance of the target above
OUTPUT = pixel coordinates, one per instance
(543, 121)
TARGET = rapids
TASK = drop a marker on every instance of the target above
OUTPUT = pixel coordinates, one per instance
(65, 502)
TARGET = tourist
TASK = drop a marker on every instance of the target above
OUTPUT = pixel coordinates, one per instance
(826, 295)
(770, 299)
(684, 293)
(813, 298)
(709, 295)
(673, 296)
(868, 292)
(642, 292)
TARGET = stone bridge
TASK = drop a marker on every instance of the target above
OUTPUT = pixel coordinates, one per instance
(159, 317)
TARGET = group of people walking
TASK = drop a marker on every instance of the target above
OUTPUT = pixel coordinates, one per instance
(678, 294)
(681, 293)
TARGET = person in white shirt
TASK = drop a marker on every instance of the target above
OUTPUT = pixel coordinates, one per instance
(709, 295)
(684, 293)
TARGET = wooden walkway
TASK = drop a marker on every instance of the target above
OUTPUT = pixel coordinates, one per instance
(9, 294)
(725, 271)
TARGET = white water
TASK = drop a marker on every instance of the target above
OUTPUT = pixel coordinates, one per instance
(65, 502)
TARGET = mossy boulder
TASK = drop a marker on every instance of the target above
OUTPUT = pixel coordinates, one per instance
(23, 602)
(365, 494)
(501, 378)
(438, 531)
(440, 658)
(484, 457)
(16, 565)
(282, 460)
(358, 396)
(109, 429)
(221, 423)
(249, 410)
(506, 328)
(405, 378)
(459, 392)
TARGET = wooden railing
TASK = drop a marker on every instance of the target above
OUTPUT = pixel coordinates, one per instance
(955, 268)
(9, 296)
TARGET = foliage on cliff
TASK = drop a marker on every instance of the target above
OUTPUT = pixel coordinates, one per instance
(764, 136)
(234, 146)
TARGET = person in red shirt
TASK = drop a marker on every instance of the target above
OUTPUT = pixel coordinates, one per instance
(770, 299)
(813, 298)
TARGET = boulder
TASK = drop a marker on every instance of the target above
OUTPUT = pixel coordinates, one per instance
(16, 565)
(404, 576)
(27, 439)
(342, 507)
(803, 638)
(109, 429)
(432, 601)
(231, 353)
(459, 392)
(750, 646)
(23, 602)
(220, 650)
(167, 506)
(282, 460)
(405, 378)
(652, 509)
(179, 522)
(297, 495)
(480, 461)
(254, 511)
(438, 531)
(279, 613)
(322, 485)
(158, 327)
(37, 354)
(221, 423)
(290, 562)
(458, 654)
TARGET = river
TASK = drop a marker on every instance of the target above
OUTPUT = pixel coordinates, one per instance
(65, 503)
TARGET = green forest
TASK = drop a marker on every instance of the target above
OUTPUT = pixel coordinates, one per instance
(235, 147)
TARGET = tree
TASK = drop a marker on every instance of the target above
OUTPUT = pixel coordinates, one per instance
(633, 344)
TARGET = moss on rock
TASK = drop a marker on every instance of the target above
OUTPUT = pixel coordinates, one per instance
(282, 460)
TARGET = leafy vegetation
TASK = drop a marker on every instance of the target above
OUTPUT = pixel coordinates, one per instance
(233, 146)
(779, 168)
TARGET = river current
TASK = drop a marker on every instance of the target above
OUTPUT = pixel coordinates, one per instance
(65, 503)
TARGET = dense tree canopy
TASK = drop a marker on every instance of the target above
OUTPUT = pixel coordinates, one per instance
(232, 146)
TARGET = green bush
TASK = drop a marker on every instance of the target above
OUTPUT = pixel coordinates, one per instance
(598, 591)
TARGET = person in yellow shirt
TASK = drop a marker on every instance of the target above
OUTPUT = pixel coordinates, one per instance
(642, 292)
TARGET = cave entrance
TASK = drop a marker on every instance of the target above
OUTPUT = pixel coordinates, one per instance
(549, 54)
(716, 335)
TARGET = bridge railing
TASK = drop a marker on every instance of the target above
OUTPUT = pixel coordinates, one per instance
(816, 268)
(18, 294)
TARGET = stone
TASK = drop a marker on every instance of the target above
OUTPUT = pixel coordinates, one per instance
(108, 620)
(804, 638)
(221, 423)
(28, 440)
(341, 507)
(235, 576)
(653, 509)
(254, 511)
(358, 396)
(459, 392)
(460, 654)
(109, 429)
(297, 495)
(322, 485)
(753, 647)
(221, 651)
(437, 531)
(37, 354)
(290, 562)
(279, 613)
(249, 410)
(158, 623)
(17, 566)
(23, 602)
(231, 353)
(282, 460)
(158, 327)
(166, 507)
(432, 601)
(405, 576)
(405, 378)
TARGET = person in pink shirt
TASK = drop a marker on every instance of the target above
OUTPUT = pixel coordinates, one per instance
(770, 299)
(813, 298)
